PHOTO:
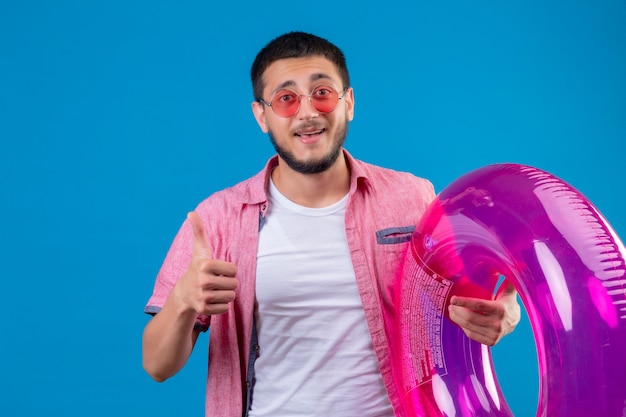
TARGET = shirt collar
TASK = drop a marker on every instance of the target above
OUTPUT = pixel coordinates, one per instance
(256, 190)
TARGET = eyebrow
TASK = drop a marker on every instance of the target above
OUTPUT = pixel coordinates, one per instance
(314, 77)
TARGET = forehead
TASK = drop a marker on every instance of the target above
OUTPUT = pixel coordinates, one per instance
(300, 72)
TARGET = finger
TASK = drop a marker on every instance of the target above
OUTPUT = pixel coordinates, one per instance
(220, 297)
(478, 335)
(218, 302)
(469, 319)
(479, 332)
(213, 309)
(201, 245)
(223, 281)
(475, 304)
(217, 268)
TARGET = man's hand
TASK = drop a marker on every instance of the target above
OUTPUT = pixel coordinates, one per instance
(209, 284)
(487, 321)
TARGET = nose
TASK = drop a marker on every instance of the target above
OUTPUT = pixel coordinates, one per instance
(305, 108)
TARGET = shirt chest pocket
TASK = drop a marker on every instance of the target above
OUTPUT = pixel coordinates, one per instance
(394, 238)
(391, 243)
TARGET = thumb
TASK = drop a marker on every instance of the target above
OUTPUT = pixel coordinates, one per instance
(201, 245)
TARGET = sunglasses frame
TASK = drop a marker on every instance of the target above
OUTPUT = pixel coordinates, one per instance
(299, 96)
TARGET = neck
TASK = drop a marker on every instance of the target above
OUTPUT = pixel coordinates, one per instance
(313, 190)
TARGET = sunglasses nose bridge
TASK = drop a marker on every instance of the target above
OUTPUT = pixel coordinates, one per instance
(308, 106)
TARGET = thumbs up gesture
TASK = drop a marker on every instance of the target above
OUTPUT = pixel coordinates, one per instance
(209, 284)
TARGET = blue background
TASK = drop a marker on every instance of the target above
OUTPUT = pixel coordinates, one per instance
(116, 118)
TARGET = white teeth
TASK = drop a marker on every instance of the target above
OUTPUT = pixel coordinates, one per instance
(317, 132)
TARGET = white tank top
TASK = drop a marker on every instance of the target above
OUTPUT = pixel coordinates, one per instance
(316, 355)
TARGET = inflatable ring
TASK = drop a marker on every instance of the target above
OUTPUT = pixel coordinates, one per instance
(568, 266)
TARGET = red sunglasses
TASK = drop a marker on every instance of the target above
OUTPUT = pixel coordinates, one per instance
(286, 102)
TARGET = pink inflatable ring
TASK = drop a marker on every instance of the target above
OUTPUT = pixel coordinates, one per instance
(566, 262)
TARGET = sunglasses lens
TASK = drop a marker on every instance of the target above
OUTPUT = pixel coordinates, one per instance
(285, 103)
(324, 99)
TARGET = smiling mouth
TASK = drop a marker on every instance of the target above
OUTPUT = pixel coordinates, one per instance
(308, 134)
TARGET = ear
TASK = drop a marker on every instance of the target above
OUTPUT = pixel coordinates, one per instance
(349, 99)
(258, 109)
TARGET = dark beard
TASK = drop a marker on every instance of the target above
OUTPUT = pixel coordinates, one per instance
(312, 167)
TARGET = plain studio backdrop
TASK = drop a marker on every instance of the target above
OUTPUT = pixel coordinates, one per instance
(116, 118)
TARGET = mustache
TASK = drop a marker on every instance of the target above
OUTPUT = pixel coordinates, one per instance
(309, 126)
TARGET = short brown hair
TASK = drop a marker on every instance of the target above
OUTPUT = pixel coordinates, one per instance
(295, 45)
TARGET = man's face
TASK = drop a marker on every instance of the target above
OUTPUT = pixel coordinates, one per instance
(309, 141)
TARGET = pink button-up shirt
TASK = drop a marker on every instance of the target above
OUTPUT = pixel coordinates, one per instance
(383, 208)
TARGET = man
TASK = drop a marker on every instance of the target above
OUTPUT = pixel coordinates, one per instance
(297, 257)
